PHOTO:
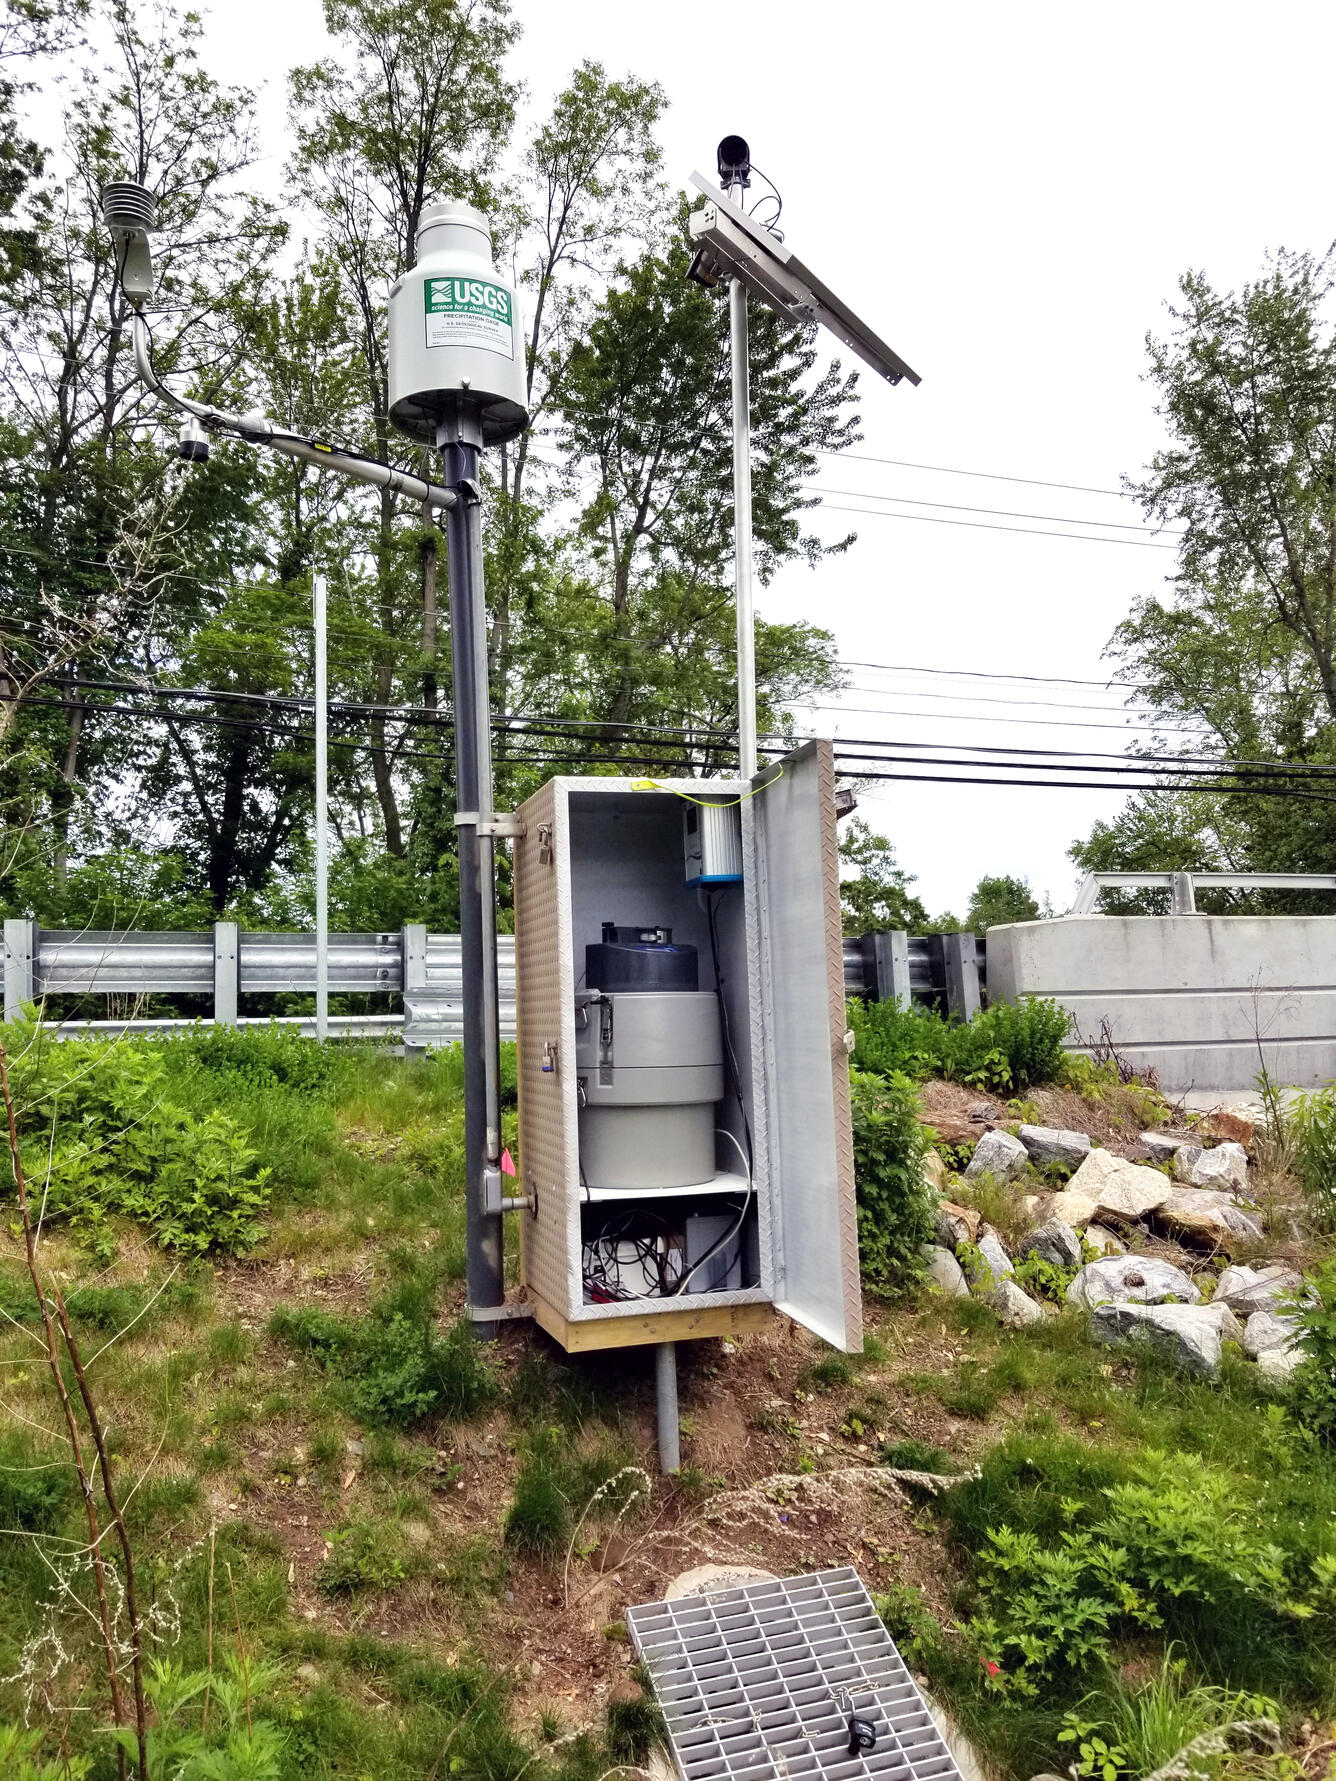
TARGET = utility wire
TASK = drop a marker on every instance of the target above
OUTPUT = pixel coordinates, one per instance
(818, 488)
(1034, 482)
(997, 674)
(978, 525)
(1097, 785)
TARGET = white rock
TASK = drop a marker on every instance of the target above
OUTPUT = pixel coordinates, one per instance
(945, 1271)
(1100, 1237)
(957, 1224)
(1132, 1279)
(1072, 1209)
(1265, 1330)
(1048, 1144)
(1207, 1218)
(1161, 1146)
(1279, 1363)
(1185, 1157)
(1013, 1306)
(1131, 1195)
(1097, 1168)
(1187, 1333)
(1054, 1242)
(1228, 1326)
(1226, 1166)
(997, 1154)
(996, 1263)
(1246, 1290)
(934, 1171)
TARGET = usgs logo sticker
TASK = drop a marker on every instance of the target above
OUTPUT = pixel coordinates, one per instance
(469, 312)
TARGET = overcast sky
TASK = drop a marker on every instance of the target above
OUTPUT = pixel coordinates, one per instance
(1008, 194)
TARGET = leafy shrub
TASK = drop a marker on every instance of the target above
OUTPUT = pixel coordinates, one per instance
(396, 1368)
(362, 1555)
(1311, 1129)
(1179, 1545)
(1315, 1382)
(1006, 1047)
(97, 1115)
(267, 1058)
(895, 1203)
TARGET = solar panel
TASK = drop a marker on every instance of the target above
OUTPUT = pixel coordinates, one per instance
(764, 1680)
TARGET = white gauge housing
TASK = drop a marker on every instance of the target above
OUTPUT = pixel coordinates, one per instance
(455, 333)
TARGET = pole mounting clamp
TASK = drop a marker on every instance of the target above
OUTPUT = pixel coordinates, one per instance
(498, 1313)
(502, 825)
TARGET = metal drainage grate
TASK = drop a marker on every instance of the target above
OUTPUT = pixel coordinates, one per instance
(761, 1682)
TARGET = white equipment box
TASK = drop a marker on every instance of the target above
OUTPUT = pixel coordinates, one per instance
(600, 851)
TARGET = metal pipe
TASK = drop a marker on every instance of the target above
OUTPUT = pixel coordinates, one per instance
(665, 1398)
(318, 616)
(256, 429)
(742, 521)
(477, 905)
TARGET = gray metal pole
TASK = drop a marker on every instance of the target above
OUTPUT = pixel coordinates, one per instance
(742, 521)
(665, 1397)
(477, 889)
(321, 811)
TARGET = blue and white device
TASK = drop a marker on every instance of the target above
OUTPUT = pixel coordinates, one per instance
(712, 841)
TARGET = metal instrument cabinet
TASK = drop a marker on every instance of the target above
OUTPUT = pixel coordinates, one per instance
(603, 849)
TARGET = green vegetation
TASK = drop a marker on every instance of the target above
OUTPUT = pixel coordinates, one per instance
(1310, 1127)
(895, 1205)
(394, 1367)
(563, 1483)
(1005, 1048)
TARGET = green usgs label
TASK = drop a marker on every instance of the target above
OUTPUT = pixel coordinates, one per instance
(469, 312)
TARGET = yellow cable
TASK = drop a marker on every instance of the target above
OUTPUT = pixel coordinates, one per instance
(653, 785)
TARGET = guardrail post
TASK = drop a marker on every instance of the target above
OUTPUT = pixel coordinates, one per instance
(1182, 897)
(414, 943)
(226, 972)
(21, 942)
(961, 955)
(886, 967)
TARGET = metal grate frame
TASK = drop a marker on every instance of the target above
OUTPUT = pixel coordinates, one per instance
(758, 1682)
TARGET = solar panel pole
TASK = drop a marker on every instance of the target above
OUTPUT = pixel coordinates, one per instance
(735, 168)
(318, 615)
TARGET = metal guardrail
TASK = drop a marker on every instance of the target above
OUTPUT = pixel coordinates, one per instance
(940, 970)
(1183, 886)
(229, 962)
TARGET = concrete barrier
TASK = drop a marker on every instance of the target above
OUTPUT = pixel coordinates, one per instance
(1198, 998)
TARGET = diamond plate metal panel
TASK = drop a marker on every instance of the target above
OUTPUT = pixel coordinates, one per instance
(544, 1014)
(759, 1682)
(795, 866)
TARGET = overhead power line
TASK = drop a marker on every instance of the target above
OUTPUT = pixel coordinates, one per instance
(818, 488)
(1034, 482)
(997, 674)
(979, 525)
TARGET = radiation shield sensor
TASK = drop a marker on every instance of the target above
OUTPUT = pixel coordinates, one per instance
(729, 244)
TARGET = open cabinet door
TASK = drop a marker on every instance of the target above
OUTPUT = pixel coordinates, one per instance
(808, 1138)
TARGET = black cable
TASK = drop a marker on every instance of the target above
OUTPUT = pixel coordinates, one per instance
(1224, 769)
(1096, 785)
(731, 1056)
(996, 674)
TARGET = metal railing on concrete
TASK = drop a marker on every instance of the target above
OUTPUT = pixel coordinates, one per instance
(228, 962)
(1183, 886)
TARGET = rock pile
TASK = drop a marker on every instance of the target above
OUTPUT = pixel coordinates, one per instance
(1093, 1230)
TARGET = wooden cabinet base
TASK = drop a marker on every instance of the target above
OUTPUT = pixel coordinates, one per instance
(653, 1326)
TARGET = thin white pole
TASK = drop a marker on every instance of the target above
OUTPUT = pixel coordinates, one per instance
(742, 522)
(321, 812)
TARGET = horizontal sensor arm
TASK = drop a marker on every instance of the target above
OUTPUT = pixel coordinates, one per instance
(255, 429)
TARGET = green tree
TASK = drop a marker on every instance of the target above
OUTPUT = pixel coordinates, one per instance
(995, 901)
(1243, 655)
(645, 405)
(875, 893)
